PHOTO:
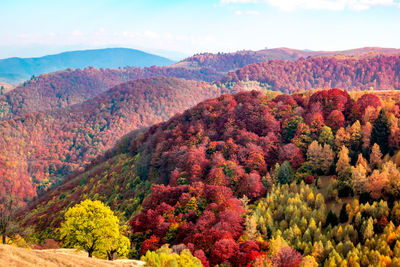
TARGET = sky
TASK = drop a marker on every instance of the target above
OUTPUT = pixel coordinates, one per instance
(177, 28)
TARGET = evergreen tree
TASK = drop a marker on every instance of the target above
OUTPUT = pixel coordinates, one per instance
(285, 173)
(331, 219)
(343, 217)
(381, 131)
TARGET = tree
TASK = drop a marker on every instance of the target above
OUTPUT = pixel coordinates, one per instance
(377, 182)
(287, 257)
(92, 226)
(332, 218)
(314, 154)
(326, 136)
(335, 120)
(327, 158)
(343, 217)
(366, 134)
(359, 178)
(289, 127)
(367, 229)
(381, 131)
(375, 158)
(9, 206)
(119, 245)
(355, 136)
(164, 256)
(285, 173)
(344, 161)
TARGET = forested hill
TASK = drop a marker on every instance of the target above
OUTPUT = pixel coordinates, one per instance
(225, 62)
(227, 179)
(15, 70)
(38, 149)
(378, 72)
(69, 87)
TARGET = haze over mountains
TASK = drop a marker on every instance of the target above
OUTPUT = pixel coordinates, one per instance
(15, 70)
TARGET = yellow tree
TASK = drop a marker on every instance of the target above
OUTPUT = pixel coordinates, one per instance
(342, 138)
(344, 161)
(328, 157)
(314, 154)
(359, 178)
(92, 226)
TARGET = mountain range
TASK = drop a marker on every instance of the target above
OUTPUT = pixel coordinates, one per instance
(15, 70)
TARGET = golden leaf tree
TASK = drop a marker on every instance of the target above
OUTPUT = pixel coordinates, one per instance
(92, 226)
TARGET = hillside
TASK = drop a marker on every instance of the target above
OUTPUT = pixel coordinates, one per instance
(38, 149)
(201, 179)
(15, 70)
(22, 257)
(224, 62)
(5, 87)
(69, 87)
(376, 72)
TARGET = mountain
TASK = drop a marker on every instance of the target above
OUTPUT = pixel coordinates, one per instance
(224, 62)
(199, 180)
(15, 70)
(371, 71)
(69, 87)
(37, 149)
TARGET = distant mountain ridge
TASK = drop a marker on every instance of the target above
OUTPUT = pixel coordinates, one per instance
(14, 70)
(224, 62)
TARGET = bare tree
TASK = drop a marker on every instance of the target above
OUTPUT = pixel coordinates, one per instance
(9, 206)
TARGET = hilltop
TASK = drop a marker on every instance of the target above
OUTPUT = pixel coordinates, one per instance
(22, 257)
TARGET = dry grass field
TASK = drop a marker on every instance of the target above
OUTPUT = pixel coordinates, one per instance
(20, 257)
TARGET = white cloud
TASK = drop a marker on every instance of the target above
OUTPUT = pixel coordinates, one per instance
(319, 4)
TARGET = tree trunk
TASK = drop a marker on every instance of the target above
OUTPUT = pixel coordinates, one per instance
(90, 253)
(4, 239)
(109, 256)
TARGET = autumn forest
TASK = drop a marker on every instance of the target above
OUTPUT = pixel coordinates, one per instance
(276, 157)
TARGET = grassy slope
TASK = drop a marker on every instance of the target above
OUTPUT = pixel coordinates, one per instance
(21, 257)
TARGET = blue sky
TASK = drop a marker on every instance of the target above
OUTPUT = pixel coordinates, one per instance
(38, 27)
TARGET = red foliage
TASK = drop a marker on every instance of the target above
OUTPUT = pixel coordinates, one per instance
(379, 72)
(290, 152)
(287, 257)
(309, 179)
(335, 120)
(224, 250)
(367, 100)
(150, 244)
(65, 140)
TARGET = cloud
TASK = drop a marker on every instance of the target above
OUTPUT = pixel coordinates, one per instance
(290, 5)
